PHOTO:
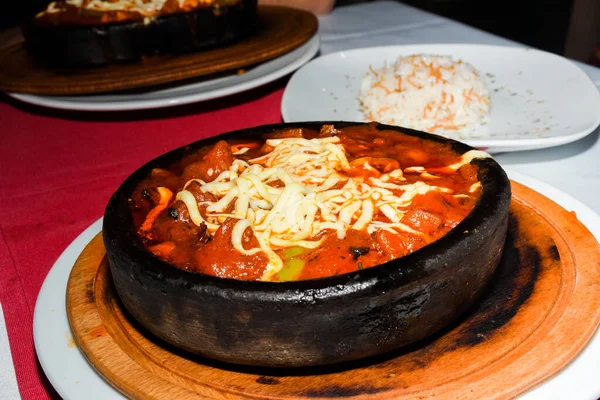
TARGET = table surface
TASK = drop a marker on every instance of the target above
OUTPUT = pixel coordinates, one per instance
(59, 168)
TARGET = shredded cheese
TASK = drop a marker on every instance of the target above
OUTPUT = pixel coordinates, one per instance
(146, 8)
(289, 195)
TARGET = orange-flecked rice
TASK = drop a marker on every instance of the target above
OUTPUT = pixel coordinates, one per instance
(431, 93)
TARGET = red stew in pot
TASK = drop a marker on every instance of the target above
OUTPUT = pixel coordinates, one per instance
(302, 204)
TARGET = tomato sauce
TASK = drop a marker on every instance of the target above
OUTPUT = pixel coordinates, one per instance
(167, 228)
(63, 13)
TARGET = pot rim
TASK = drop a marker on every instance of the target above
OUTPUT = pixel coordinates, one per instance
(127, 246)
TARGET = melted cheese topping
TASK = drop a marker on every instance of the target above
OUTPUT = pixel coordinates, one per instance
(299, 189)
(143, 7)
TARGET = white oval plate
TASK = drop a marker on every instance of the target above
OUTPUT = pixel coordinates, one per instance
(539, 99)
(183, 94)
(73, 378)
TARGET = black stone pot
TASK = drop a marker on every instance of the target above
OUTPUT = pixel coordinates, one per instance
(85, 45)
(312, 322)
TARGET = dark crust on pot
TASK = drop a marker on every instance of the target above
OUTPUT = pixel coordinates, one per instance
(79, 45)
(311, 322)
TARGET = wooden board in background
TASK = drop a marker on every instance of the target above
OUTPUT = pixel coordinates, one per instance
(281, 30)
(541, 309)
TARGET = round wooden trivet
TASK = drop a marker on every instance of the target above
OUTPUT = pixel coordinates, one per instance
(541, 309)
(282, 30)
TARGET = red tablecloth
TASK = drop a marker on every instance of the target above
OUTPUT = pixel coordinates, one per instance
(58, 170)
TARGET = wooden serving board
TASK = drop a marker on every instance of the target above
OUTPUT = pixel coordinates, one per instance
(541, 309)
(281, 30)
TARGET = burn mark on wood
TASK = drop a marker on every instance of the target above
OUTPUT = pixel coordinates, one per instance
(89, 292)
(511, 289)
(336, 391)
(553, 251)
(267, 380)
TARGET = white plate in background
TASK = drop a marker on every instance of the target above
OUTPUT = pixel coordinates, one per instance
(74, 378)
(186, 93)
(539, 99)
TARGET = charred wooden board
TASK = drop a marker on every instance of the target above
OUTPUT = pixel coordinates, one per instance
(538, 312)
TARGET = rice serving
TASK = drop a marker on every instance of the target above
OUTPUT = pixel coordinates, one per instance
(430, 93)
